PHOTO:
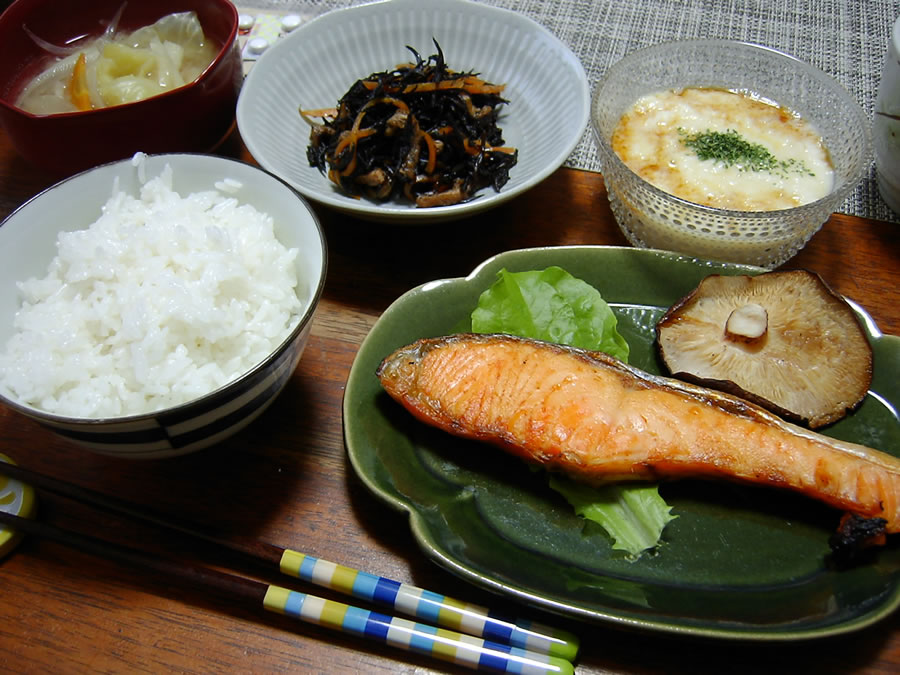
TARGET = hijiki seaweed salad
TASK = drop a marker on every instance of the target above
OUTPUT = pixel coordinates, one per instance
(421, 131)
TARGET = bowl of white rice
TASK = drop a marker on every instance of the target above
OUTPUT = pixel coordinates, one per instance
(155, 306)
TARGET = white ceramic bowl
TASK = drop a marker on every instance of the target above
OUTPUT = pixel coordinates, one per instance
(28, 244)
(652, 218)
(312, 67)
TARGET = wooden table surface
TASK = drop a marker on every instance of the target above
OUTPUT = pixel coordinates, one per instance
(286, 478)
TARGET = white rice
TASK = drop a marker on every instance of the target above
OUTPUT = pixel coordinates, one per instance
(161, 300)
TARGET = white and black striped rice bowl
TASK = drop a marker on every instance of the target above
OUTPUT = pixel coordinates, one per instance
(28, 244)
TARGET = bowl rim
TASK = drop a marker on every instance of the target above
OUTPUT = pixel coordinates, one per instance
(837, 195)
(224, 390)
(226, 6)
(401, 215)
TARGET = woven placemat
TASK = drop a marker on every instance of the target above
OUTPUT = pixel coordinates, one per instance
(845, 38)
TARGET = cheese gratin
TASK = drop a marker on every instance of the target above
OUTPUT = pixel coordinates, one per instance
(654, 139)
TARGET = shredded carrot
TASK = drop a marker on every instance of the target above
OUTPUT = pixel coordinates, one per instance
(350, 137)
(389, 99)
(476, 146)
(420, 87)
(469, 83)
(470, 148)
(356, 136)
(78, 86)
(333, 112)
(432, 152)
(466, 84)
(485, 88)
(357, 122)
(319, 112)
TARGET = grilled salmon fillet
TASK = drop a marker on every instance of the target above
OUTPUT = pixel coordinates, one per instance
(599, 420)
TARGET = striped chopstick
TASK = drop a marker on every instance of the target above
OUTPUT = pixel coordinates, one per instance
(429, 606)
(447, 645)
(394, 595)
(443, 644)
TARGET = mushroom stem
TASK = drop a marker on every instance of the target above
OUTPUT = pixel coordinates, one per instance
(747, 323)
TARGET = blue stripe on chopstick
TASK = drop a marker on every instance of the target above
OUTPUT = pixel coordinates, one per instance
(307, 566)
(423, 643)
(377, 625)
(502, 632)
(384, 591)
(492, 661)
(430, 605)
(294, 604)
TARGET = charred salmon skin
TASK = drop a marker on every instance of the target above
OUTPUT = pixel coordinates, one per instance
(599, 420)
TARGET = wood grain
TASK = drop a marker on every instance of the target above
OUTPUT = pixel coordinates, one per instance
(286, 479)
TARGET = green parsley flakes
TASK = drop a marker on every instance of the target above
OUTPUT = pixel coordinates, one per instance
(732, 149)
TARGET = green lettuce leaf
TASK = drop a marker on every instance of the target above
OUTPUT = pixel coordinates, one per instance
(633, 515)
(553, 305)
(549, 305)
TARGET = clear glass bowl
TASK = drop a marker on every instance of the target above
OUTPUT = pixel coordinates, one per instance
(651, 218)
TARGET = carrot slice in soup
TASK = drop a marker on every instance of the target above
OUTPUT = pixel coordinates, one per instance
(78, 86)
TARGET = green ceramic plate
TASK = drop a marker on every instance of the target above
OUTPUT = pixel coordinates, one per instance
(739, 562)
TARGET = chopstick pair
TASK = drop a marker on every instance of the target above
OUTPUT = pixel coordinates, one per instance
(470, 636)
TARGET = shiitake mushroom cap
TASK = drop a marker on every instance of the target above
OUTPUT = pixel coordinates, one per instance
(810, 362)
